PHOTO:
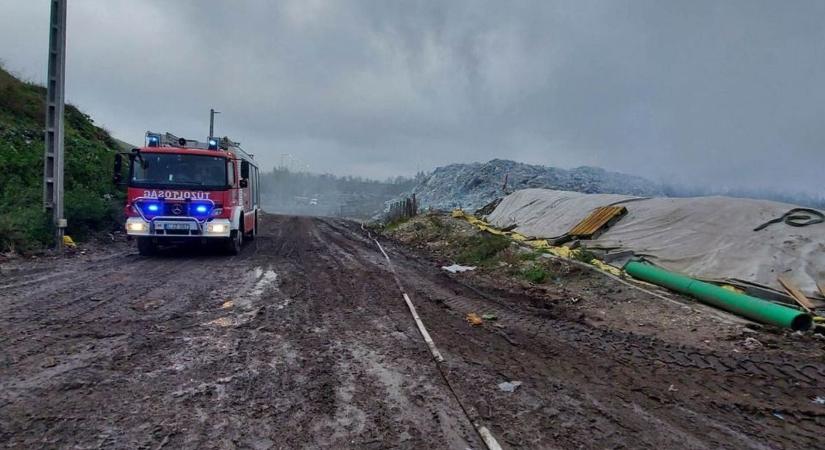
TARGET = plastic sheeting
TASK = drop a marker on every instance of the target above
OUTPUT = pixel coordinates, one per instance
(704, 237)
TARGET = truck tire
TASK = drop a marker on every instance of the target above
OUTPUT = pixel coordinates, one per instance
(234, 242)
(146, 247)
(254, 233)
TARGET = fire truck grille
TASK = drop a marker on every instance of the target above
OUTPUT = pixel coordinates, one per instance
(175, 209)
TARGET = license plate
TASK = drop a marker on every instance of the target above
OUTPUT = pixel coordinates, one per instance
(176, 226)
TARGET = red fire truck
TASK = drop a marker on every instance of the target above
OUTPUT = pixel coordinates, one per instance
(185, 191)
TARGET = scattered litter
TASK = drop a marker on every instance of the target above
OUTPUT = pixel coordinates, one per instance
(221, 322)
(728, 287)
(779, 416)
(752, 344)
(489, 316)
(151, 304)
(819, 400)
(68, 241)
(796, 294)
(228, 304)
(672, 388)
(598, 220)
(50, 362)
(509, 386)
(474, 319)
(456, 268)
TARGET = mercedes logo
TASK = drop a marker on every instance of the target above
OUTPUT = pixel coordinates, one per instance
(176, 210)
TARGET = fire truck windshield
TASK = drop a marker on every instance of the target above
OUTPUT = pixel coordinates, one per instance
(179, 170)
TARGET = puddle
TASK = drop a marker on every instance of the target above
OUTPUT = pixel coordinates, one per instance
(263, 279)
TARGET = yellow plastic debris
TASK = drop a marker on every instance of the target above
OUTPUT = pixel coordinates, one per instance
(518, 237)
(474, 319)
(68, 241)
(539, 244)
(562, 252)
(606, 267)
(728, 287)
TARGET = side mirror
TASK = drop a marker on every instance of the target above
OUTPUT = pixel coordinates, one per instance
(244, 182)
(117, 177)
(244, 170)
(136, 155)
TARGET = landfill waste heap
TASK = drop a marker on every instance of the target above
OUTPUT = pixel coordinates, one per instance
(472, 186)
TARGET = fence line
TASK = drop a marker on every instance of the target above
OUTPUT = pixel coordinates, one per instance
(402, 209)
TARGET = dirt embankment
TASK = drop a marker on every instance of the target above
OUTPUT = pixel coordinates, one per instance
(304, 340)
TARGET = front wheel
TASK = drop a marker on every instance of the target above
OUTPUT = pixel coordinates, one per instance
(254, 233)
(146, 247)
(234, 242)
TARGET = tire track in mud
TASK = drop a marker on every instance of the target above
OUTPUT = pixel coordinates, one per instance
(633, 352)
(204, 351)
(66, 327)
(353, 291)
(735, 375)
(99, 295)
(500, 366)
(720, 386)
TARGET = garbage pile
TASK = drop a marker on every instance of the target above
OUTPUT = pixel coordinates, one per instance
(471, 186)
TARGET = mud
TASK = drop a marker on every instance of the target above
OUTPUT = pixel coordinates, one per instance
(304, 341)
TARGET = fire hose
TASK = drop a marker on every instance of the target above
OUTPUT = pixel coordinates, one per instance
(795, 219)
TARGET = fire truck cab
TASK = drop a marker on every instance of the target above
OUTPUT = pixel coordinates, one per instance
(185, 191)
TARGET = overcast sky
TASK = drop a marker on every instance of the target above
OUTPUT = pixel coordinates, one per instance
(730, 93)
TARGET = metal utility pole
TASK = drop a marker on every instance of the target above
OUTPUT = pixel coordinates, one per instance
(55, 102)
(212, 113)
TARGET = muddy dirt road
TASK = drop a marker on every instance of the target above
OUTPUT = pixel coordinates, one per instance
(304, 341)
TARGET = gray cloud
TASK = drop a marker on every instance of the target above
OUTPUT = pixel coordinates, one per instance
(727, 93)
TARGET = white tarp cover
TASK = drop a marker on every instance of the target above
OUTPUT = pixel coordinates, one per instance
(704, 237)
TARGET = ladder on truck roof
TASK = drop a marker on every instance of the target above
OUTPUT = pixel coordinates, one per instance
(168, 139)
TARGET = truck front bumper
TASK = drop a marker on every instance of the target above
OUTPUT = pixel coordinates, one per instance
(178, 227)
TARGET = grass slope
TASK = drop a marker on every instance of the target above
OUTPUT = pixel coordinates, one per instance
(91, 199)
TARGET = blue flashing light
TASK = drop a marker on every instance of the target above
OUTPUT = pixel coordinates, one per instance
(201, 209)
(153, 207)
(213, 144)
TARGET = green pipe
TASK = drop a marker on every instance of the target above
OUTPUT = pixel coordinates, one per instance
(744, 305)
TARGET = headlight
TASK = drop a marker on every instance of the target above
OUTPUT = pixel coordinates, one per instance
(216, 228)
(136, 226)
